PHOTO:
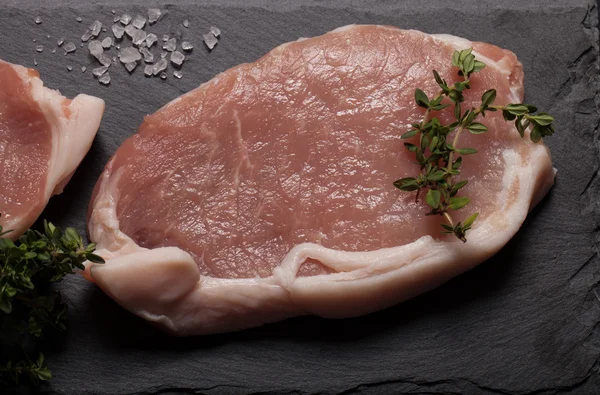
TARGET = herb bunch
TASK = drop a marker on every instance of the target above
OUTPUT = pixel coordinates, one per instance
(31, 310)
(437, 150)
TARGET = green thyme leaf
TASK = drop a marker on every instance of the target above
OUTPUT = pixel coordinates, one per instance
(433, 198)
(477, 128)
(421, 98)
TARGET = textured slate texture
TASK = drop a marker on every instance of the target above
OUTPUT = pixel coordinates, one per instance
(524, 322)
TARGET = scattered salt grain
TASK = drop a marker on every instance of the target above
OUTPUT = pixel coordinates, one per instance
(35, 63)
(177, 58)
(215, 31)
(129, 54)
(139, 21)
(210, 40)
(107, 42)
(54, 50)
(170, 45)
(165, 37)
(129, 30)
(163, 76)
(138, 37)
(69, 68)
(125, 19)
(34, 40)
(69, 47)
(83, 69)
(148, 56)
(86, 36)
(95, 47)
(148, 70)
(118, 46)
(104, 29)
(116, 19)
(159, 66)
(187, 46)
(131, 66)
(97, 72)
(118, 31)
(96, 28)
(151, 39)
(47, 36)
(113, 11)
(39, 48)
(104, 59)
(153, 15)
(104, 79)
(177, 74)
(164, 54)
(38, 20)
(78, 19)
(60, 42)
(186, 23)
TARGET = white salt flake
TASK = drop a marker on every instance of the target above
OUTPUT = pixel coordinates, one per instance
(186, 23)
(54, 50)
(118, 46)
(153, 15)
(107, 42)
(165, 37)
(113, 11)
(118, 31)
(151, 39)
(34, 40)
(187, 46)
(125, 19)
(170, 45)
(131, 66)
(215, 31)
(138, 37)
(129, 30)
(177, 74)
(139, 21)
(116, 19)
(159, 66)
(148, 56)
(104, 59)
(39, 48)
(83, 69)
(86, 36)
(69, 47)
(35, 63)
(148, 70)
(96, 28)
(47, 36)
(177, 58)
(104, 79)
(78, 19)
(60, 42)
(38, 20)
(104, 30)
(164, 54)
(163, 76)
(210, 40)
(129, 54)
(97, 72)
(95, 47)
(69, 68)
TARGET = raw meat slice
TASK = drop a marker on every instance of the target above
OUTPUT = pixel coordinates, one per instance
(267, 192)
(43, 138)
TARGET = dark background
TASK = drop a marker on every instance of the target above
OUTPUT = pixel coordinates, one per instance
(524, 322)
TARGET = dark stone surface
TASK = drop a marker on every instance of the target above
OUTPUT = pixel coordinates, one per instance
(524, 322)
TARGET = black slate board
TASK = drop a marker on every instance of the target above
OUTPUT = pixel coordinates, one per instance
(524, 322)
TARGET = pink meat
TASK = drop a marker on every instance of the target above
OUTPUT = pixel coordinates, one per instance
(43, 137)
(301, 146)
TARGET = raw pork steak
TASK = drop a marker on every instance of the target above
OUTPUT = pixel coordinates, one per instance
(267, 192)
(43, 138)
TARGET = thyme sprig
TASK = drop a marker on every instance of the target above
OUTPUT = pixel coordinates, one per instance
(31, 309)
(437, 145)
